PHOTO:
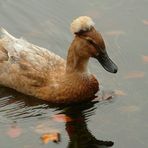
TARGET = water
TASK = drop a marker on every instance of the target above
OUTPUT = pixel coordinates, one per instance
(120, 121)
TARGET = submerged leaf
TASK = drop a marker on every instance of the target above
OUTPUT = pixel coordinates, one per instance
(119, 92)
(62, 118)
(135, 74)
(14, 132)
(145, 22)
(115, 32)
(54, 137)
(131, 108)
(145, 58)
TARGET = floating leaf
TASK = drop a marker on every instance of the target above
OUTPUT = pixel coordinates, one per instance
(145, 58)
(145, 22)
(62, 118)
(119, 92)
(14, 132)
(135, 74)
(131, 108)
(54, 137)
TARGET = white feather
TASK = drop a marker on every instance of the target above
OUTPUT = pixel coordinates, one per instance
(6, 34)
(82, 23)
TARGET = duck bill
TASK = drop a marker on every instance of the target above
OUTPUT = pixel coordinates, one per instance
(107, 63)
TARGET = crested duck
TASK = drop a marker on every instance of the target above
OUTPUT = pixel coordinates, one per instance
(37, 72)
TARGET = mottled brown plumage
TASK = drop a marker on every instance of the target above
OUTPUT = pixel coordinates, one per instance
(38, 72)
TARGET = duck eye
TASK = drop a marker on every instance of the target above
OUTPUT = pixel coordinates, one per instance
(90, 41)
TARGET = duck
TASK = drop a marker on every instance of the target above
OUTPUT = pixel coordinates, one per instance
(38, 72)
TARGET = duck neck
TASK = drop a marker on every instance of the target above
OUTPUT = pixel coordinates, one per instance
(75, 63)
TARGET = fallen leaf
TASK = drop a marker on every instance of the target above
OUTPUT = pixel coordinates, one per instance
(14, 132)
(135, 74)
(145, 22)
(119, 92)
(115, 32)
(62, 118)
(145, 58)
(54, 137)
(131, 108)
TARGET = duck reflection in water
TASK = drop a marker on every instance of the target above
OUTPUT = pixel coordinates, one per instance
(79, 114)
(79, 134)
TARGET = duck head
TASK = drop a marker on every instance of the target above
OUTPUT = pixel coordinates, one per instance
(91, 43)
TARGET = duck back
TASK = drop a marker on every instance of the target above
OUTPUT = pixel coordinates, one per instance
(27, 67)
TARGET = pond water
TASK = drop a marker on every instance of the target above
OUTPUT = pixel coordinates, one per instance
(120, 122)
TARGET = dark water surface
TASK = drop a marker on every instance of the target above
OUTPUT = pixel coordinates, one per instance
(120, 122)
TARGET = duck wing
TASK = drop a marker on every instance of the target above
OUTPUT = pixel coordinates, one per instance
(26, 64)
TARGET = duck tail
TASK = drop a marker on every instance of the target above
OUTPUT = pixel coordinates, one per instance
(4, 33)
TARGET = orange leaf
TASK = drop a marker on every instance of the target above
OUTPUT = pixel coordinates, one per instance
(119, 92)
(145, 58)
(135, 74)
(54, 137)
(62, 118)
(145, 22)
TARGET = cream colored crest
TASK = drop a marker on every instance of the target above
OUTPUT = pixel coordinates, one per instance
(82, 23)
